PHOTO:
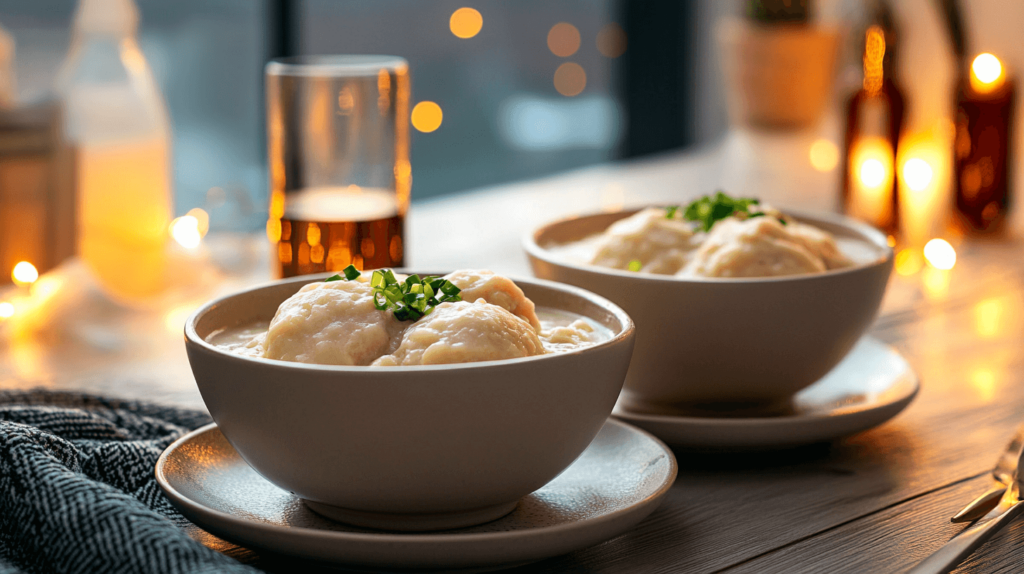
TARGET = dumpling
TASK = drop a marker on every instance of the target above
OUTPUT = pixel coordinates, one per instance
(820, 243)
(330, 323)
(464, 332)
(755, 247)
(495, 289)
(660, 244)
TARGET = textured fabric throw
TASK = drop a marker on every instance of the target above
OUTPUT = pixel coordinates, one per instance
(77, 492)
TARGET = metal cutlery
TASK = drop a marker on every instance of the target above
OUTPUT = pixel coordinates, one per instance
(961, 545)
(1003, 473)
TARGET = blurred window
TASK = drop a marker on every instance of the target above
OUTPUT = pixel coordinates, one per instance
(524, 88)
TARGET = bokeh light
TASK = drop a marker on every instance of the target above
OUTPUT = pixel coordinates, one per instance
(917, 174)
(940, 254)
(185, 230)
(6, 310)
(563, 39)
(872, 172)
(611, 40)
(824, 155)
(427, 116)
(24, 273)
(466, 22)
(570, 79)
(987, 68)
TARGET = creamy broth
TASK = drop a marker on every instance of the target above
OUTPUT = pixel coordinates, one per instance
(650, 242)
(560, 331)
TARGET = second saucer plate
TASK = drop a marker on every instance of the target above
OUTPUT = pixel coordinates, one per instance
(870, 386)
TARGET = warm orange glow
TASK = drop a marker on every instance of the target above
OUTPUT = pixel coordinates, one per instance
(175, 319)
(466, 23)
(924, 181)
(611, 40)
(871, 164)
(563, 39)
(936, 283)
(185, 230)
(202, 218)
(988, 315)
(570, 79)
(274, 230)
(874, 55)
(6, 310)
(24, 273)
(917, 173)
(124, 207)
(909, 261)
(426, 116)
(940, 254)
(984, 381)
(986, 73)
(872, 172)
(824, 155)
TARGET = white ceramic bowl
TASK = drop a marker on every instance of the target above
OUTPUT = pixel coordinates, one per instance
(410, 448)
(727, 342)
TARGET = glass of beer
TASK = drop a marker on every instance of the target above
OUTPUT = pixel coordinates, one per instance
(338, 157)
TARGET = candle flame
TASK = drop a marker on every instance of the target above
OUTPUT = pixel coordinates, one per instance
(940, 254)
(872, 172)
(917, 173)
(24, 273)
(986, 73)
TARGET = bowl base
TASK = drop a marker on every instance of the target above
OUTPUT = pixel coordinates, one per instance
(711, 410)
(411, 522)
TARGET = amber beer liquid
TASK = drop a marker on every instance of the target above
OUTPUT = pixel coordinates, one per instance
(338, 158)
(328, 229)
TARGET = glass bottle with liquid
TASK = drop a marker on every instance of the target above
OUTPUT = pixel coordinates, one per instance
(874, 120)
(117, 122)
(338, 160)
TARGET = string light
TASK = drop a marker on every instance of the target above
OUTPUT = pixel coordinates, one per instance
(466, 23)
(427, 116)
(563, 39)
(570, 79)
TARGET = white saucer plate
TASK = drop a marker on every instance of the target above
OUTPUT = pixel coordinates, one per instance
(616, 482)
(869, 387)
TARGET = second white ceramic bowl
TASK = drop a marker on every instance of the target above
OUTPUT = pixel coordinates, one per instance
(727, 342)
(410, 448)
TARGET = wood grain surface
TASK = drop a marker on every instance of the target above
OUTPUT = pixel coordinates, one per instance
(875, 502)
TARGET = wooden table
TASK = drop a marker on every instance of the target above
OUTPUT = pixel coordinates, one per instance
(876, 502)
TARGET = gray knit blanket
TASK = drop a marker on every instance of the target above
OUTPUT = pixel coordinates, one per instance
(77, 492)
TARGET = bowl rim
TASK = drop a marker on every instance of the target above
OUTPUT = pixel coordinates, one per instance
(192, 336)
(877, 238)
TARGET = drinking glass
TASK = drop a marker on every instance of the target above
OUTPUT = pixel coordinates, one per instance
(338, 157)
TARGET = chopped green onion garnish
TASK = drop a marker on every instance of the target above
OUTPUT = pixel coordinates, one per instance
(635, 265)
(670, 211)
(709, 210)
(351, 273)
(413, 298)
(410, 299)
